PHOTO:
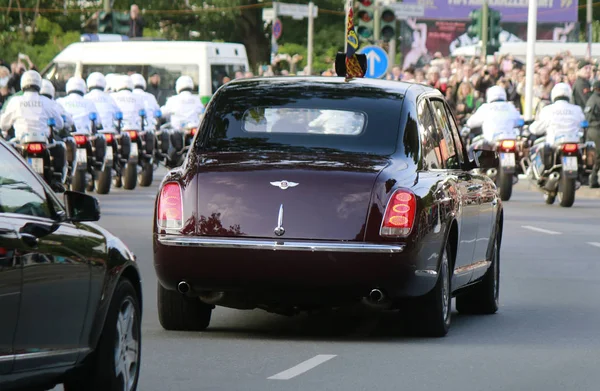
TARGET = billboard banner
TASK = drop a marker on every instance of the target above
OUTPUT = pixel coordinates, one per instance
(549, 11)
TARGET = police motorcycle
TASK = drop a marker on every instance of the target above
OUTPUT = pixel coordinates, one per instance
(556, 173)
(141, 154)
(121, 143)
(162, 136)
(89, 164)
(35, 147)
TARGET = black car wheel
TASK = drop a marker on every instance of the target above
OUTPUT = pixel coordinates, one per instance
(182, 313)
(431, 314)
(483, 298)
(115, 365)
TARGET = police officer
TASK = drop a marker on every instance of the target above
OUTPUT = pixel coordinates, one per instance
(559, 121)
(150, 103)
(31, 112)
(497, 118)
(129, 103)
(184, 108)
(78, 107)
(592, 115)
(105, 104)
(48, 91)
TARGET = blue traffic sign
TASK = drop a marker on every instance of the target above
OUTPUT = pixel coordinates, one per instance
(277, 28)
(377, 61)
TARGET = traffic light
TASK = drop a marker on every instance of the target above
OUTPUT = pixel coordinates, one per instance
(105, 23)
(388, 24)
(365, 19)
(476, 26)
(494, 30)
(121, 23)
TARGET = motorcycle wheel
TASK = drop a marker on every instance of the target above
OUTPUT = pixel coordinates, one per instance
(566, 192)
(103, 180)
(79, 181)
(130, 180)
(505, 185)
(146, 175)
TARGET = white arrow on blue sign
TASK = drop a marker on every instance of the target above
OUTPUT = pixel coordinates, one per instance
(377, 61)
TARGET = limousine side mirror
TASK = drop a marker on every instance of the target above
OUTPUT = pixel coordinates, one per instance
(486, 159)
(81, 207)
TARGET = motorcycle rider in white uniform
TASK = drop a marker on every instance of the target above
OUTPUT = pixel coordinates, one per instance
(130, 104)
(150, 103)
(80, 108)
(497, 119)
(48, 91)
(184, 108)
(107, 108)
(30, 113)
(559, 121)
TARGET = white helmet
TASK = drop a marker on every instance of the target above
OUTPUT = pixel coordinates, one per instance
(123, 82)
(495, 93)
(183, 83)
(76, 84)
(31, 79)
(47, 88)
(138, 81)
(110, 81)
(561, 90)
(96, 80)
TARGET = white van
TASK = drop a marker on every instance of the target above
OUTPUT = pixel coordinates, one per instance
(206, 62)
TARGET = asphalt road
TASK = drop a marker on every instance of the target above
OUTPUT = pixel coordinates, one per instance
(545, 336)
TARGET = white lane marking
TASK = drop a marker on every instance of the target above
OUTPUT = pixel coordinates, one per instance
(545, 231)
(595, 244)
(302, 367)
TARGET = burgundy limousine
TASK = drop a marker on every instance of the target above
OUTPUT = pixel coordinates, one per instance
(304, 193)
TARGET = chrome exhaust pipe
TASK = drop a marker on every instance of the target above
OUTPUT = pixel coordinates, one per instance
(211, 297)
(552, 182)
(183, 287)
(376, 296)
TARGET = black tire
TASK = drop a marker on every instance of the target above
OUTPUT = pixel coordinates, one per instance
(505, 184)
(130, 177)
(78, 181)
(181, 313)
(117, 181)
(103, 180)
(99, 372)
(483, 298)
(549, 198)
(431, 314)
(145, 177)
(566, 191)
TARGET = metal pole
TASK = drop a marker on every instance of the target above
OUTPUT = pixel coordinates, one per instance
(529, 63)
(273, 39)
(484, 30)
(589, 28)
(311, 22)
(376, 22)
(392, 49)
(106, 6)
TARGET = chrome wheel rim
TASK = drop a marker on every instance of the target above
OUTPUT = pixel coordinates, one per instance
(127, 349)
(445, 287)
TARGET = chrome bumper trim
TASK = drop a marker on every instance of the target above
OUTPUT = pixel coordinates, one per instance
(279, 245)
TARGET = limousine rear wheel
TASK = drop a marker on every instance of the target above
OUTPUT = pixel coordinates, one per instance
(432, 313)
(178, 312)
(115, 365)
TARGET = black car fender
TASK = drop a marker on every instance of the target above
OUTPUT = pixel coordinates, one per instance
(120, 263)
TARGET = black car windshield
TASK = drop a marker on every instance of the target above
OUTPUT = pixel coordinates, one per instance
(303, 115)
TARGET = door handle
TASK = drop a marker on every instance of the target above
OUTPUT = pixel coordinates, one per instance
(30, 239)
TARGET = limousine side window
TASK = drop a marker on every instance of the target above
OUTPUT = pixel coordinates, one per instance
(429, 137)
